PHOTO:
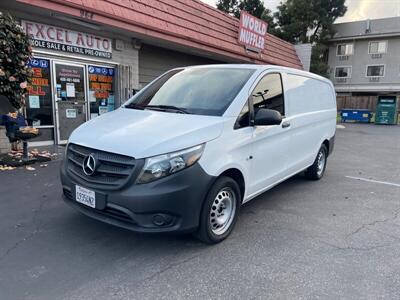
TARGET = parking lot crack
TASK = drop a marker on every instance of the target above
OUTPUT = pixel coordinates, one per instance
(16, 244)
(373, 223)
(350, 248)
(345, 247)
(387, 234)
(171, 266)
(31, 234)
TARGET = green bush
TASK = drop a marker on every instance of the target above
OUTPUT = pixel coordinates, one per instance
(15, 51)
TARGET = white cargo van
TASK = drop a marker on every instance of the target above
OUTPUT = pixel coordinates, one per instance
(190, 148)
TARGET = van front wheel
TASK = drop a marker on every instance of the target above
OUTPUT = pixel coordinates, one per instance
(219, 212)
(317, 169)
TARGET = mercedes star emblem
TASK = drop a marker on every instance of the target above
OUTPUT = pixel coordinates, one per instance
(89, 165)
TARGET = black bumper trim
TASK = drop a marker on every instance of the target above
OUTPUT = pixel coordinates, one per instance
(98, 215)
(177, 198)
(331, 145)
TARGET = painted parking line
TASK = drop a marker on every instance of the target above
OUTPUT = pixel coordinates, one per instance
(374, 181)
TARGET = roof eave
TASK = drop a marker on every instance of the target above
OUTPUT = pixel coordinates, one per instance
(365, 36)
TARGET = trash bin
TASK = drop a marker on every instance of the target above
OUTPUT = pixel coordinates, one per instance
(386, 110)
(356, 115)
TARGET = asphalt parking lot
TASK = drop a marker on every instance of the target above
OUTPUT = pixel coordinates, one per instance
(338, 238)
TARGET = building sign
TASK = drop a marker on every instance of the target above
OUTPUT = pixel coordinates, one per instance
(65, 40)
(252, 32)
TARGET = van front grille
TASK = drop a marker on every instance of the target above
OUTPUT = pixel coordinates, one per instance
(112, 170)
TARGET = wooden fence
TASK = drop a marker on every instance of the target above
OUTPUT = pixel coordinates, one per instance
(358, 102)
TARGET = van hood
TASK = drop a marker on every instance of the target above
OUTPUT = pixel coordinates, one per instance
(144, 133)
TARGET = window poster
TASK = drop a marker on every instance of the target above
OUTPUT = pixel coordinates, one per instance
(34, 101)
(111, 103)
(70, 90)
(103, 110)
(39, 108)
(70, 113)
(101, 90)
(70, 82)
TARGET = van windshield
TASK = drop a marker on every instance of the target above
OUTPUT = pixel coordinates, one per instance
(201, 91)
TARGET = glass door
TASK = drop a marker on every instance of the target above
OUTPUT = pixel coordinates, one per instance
(70, 98)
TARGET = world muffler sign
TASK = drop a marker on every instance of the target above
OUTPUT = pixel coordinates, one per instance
(65, 40)
(252, 32)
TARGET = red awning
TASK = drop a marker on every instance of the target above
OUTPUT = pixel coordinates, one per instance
(188, 23)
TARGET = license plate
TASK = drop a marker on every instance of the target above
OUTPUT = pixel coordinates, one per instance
(85, 196)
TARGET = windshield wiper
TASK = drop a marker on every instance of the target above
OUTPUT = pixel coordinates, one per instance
(168, 107)
(135, 106)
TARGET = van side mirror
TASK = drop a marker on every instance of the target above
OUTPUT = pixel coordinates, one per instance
(266, 117)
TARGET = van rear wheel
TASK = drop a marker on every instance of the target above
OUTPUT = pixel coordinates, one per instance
(220, 211)
(317, 169)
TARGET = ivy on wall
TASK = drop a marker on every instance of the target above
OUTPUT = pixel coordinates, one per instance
(15, 51)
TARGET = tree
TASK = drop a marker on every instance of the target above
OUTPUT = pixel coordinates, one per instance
(296, 21)
(15, 51)
(310, 21)
(268, 17)
(304, 20)
(228, 6)
(318, 59)
(253, 7)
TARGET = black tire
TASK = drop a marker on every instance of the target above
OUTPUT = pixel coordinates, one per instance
(314, 172)
(206, 231)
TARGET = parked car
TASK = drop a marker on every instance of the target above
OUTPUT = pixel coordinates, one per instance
(184, 153)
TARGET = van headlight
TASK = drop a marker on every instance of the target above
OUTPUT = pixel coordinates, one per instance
(160, 166)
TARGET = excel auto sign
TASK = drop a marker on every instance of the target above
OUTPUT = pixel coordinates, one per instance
(252, 32)
(61, 39)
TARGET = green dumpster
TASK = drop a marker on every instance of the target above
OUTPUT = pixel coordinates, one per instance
(386, 110)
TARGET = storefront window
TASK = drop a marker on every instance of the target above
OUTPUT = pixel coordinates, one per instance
(101, 90)
(39, 104)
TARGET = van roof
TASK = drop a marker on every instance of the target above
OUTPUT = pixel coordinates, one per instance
(262, 68)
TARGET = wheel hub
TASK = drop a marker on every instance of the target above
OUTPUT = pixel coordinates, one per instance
(222, 211)
(321, 162)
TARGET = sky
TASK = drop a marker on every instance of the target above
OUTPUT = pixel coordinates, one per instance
(356, 9)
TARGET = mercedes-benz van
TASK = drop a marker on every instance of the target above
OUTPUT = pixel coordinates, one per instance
(184, 153)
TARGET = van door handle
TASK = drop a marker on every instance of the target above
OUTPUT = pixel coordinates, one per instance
(285, 124)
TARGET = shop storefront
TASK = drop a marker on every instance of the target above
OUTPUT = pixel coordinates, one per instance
(67, 90)
(90, 58)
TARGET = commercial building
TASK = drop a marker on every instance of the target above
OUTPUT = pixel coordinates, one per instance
(91, 55)
(364, 61)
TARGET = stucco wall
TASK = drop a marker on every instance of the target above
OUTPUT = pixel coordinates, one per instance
(153, 61)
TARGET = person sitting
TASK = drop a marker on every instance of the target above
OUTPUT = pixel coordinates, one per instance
(13, 121)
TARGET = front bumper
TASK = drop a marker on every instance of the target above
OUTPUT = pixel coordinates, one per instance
(171, 204)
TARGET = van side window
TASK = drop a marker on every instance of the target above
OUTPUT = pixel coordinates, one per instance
(244, 117)
(269, 93)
